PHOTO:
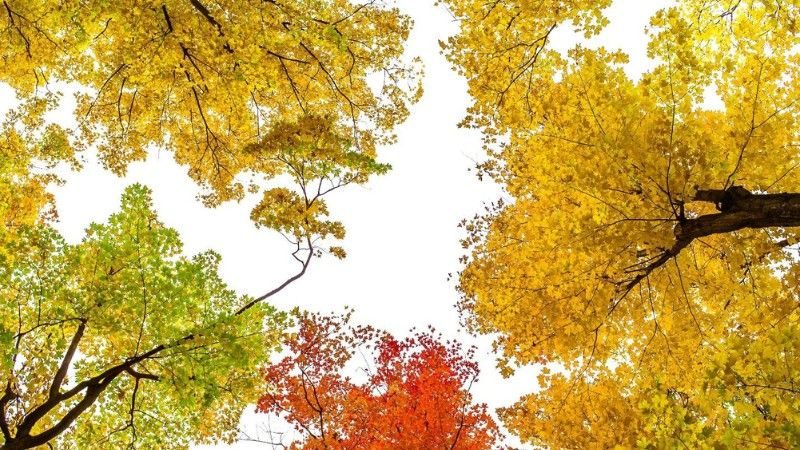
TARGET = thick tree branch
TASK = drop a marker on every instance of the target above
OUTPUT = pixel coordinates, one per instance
(61, 373)
(95, 386)
(201, 8)
(140, 375)
(739, 209)
(210, 18)
(8, 395)
(26, 441)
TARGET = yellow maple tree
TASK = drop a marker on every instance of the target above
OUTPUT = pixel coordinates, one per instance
(647, 257)
(206, 79)
(29, 151)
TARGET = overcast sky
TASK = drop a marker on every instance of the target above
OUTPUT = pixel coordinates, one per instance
(402, 236)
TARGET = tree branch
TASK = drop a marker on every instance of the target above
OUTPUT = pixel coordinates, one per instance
(61, 373)
(739, 209)
(96, 385)
(8, 395)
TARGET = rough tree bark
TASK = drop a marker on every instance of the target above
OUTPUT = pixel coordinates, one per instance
(739, 209)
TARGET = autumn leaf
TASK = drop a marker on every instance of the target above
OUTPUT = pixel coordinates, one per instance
(416, 392)
(121, 340)
(649, 247)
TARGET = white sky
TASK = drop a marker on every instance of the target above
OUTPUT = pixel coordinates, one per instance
(402, 236)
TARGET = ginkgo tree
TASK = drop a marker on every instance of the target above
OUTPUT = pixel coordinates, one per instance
(121, 340)
(414, 394)
(647, 258)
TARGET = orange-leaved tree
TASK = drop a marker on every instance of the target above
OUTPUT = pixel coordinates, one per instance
(415, 393)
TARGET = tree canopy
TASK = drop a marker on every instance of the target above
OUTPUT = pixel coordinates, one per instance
(415, 393)
(647, 252)
(206, 79)
(121, 340)
(644, 254)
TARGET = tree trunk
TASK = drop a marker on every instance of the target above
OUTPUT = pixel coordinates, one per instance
(741, 209)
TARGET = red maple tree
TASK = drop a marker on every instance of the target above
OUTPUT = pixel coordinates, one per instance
(415, 395)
